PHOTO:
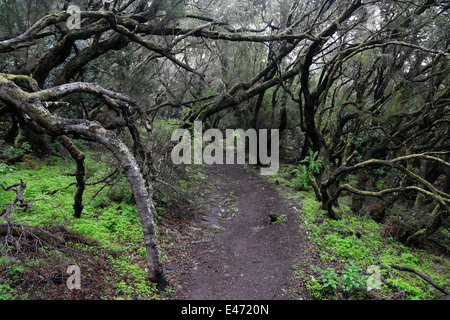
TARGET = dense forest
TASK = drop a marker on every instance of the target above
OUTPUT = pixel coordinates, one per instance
(91, 92)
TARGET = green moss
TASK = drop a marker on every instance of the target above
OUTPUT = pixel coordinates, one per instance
(117, 225)
(346, 247)
(280, 219)
(130, 280)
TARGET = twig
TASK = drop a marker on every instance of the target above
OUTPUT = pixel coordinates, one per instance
(113, 176)
(19, 194)
(166, 183)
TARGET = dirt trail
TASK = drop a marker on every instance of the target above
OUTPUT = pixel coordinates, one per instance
(239, 253)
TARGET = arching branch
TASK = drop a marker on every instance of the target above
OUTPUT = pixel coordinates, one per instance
(32, 105)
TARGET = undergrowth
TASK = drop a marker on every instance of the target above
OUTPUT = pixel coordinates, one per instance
(37, 270)
(351, 248)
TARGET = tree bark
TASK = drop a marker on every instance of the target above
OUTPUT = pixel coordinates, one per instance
(80, 173)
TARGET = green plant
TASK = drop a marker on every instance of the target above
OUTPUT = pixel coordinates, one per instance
(379, 171)
(6, 293)
(409, 259)
(329, 278)
(121, 192)
(314, 165)
(26, 147)
(345, 246)
(15, 271)
(361, 240)
(326, 257)
(130, 278)
(314, 287)
(307, 171)
(413, 292)
(10, 151)
(301, 177)
(353, 278)
(280, 219)
(5, 169)
(380, 184)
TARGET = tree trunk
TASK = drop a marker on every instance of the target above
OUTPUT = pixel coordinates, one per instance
(80, 173)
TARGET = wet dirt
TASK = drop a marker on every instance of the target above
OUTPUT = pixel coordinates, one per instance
(237, 253)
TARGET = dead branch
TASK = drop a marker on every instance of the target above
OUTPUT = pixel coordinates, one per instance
(57, 234)
(18, 198)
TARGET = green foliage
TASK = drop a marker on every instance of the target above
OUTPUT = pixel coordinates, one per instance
(345, 247)
(354, 243)
(174, 9)
(280, 219)
(17, 21)
(314, 165)
(351, 281)
(353, 278)
(306, 171)
(301, 177)
(14, 269)
(413, 292)
(120, 191)
(130, 279)
(315, 288)
(4, 170)
(380, 184)
(358, 141)
(8, 293)
(116, 224)
(9, 151)
(311, 209)
(329, 278)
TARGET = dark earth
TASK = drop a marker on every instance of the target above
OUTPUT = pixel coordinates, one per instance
(234, 249)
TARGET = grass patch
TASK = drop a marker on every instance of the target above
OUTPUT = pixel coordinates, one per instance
(115, 271)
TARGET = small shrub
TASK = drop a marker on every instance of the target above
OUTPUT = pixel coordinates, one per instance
(306, 171)
(301, 181)
(6, 293)
(329, 279)
(353, 279)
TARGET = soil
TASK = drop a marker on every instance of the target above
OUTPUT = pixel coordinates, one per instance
(233, 249)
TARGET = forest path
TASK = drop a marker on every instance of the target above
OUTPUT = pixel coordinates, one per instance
(237, 253)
